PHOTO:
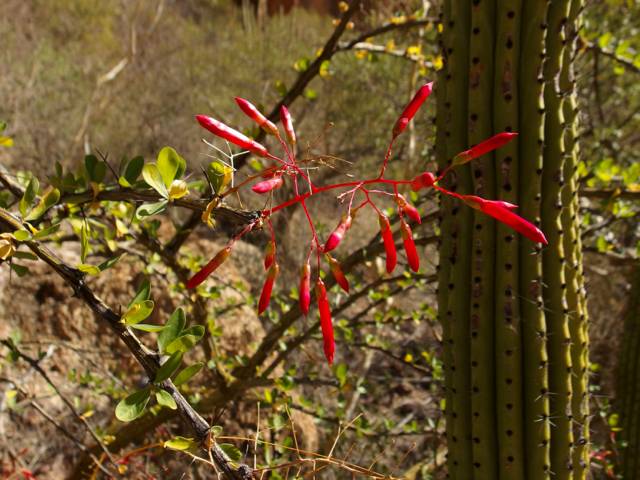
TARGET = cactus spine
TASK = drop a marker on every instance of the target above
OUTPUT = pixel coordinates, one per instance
(514, 317)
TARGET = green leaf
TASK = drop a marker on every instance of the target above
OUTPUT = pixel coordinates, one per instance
(45, 232)
(172, 329)
(152, 176)
(341, 374)
(302, 64)
(131, 172)
(49, 198)
(310, 94)
(167, 368)
(133, 406)
(22, 235)
(171, 165)
(146, 327)
(181, 444)
(232, 451)
(166, 400)
(150, 209)
(143, 293)
(280, 87)
(138, 312)
(29, 196)
(96, 169)
(187, 340)
(219, 175)
(89, 269)
(20, 270)
(25, 256)
(187, 374)
(110, 263)
(84, 241)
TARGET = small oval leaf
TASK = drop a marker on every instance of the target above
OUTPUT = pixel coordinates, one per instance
(133, 406)
(187, 374)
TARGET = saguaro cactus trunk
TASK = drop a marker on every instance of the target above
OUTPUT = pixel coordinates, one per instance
(513, 314)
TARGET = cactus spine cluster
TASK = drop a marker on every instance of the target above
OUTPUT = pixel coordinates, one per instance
(513, 314)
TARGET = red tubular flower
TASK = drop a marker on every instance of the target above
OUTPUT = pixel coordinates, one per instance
(411, 109)
(254, 114)
(266, 186)
(503, 212)
(389, 243)
(424, 180)
(231, 135)
(287, 123)
(338, 274)
(270, 254)
(267, 288)
(326, 324)
(305, 288)
(487, 146)
(209, 268)
(410, 246)
(338, 234)
(408, 209)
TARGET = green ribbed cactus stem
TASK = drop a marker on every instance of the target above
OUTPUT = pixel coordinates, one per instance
(536, 417)
(480, 126)
(444, 266)
(456, 50)
(554, 261)
(508, 329)
(513, 313)
(576, 301)
(628, 382)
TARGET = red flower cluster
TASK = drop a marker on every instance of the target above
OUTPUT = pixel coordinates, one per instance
(287, 166)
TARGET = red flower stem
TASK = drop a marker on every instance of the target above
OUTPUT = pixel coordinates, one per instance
(316, 190)
(375, 207)
(397, 195)
(249, 179)
(444, 173)
(292, 159)
(292, 165)
(386, 157)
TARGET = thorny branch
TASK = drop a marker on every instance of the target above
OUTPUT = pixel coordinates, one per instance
(146, 358)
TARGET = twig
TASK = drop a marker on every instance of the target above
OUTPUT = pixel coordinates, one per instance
(628, 64)
(147, 359)
(36, 366)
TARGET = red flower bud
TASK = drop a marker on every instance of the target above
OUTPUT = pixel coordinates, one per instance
(231, 135)
(408, 209)
(389, 243)
(411, 109)
(267, 288)
(270, 254)
(254, 114)
(287, 123)
(305, 288)
(424, 180)
(410, 246)
(487, 146)
(338, 234)
(266, 186)
(338, 274)
(503, 212)
(209, 268)
(326, 324)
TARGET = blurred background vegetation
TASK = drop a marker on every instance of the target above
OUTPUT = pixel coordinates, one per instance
(125, 78)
